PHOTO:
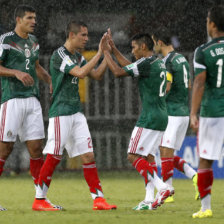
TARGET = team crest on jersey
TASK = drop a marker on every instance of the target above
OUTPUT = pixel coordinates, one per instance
(27, 53)
(9, 134)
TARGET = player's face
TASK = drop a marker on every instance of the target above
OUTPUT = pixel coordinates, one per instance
(28, 22)
(136, 50)
(81, 38)
(156, 48)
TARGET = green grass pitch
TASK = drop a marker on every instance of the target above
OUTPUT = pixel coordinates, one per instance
(125, 189)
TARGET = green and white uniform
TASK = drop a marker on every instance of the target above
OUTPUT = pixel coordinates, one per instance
(18, 100)
(177, 100)
(151, 74)
(67, 125)
(209, 57)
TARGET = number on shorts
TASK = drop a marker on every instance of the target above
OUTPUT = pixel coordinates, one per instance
(90, 145)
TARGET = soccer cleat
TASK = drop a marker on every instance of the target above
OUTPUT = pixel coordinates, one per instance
(200, 214)
(195, 183)
(162, 195)
(2, 209)
(101, 204)
(143, 206)
(45, 205)
(170, 199)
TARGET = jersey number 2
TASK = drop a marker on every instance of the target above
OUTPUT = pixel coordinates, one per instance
(27, 64)
(161, 92)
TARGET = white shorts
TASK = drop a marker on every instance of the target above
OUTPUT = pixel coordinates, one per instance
(23, 117)
(210, 137)
(175, 132)
(144, 141)
(70, 132)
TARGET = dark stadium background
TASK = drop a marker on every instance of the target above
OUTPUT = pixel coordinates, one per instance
(110, 123)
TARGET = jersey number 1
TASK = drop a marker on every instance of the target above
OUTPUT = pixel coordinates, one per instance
(219, 76)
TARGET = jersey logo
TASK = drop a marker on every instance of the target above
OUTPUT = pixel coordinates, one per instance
(27, 53)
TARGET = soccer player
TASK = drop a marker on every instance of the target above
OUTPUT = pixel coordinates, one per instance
(21, 112)
(146, 136)
(67, 125)
(177, 107)
(208, 94)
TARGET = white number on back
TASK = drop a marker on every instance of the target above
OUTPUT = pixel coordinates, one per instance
(161, 92)
(185, 76)
(219, 76)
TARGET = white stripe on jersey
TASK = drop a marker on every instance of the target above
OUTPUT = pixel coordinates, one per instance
(2, 37)
(196, 64)
(66, 59)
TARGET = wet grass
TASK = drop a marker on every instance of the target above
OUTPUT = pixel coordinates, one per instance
(125, 189)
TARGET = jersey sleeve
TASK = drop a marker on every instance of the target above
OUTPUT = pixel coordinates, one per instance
(83, 61)
(4, 48)
(199, 64)
(133, 69)
(63, 63)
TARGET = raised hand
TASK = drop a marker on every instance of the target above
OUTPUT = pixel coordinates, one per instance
(104, 43)
(110, 40)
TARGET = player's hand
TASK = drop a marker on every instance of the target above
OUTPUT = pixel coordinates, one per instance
(194, 123)
(110, 40)
(104, 43)
(24, 77)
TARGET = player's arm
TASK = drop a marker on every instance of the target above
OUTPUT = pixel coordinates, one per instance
(122, 60)
(24, 77)
(99, 72)
(197, 94)
(82, 72)
(113, 66)
(169, 78)
(43, 75)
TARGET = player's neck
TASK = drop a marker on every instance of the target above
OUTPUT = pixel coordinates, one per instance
(217, 35)
(69, 47)
(147, 54)
(166, 50)
(20, 33)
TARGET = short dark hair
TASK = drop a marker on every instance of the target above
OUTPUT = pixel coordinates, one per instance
(145, 38)
(216, 15)
(74, 26)
(162, 34)
(22, 9)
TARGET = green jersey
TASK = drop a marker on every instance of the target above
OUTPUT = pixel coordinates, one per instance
(177, 97)
(66, 99)
(209, 57)
(151, 73)
(20, 54)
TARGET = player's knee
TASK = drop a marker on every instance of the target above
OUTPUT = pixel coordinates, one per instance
(35, 148)
(87, 157)
(5, 150)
